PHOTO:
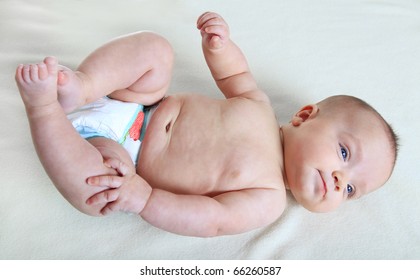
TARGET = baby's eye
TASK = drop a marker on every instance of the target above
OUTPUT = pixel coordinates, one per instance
(350, 190)
(344, 152)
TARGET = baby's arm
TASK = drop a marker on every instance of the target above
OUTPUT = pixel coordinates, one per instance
(195, 215)
(226, 61)
(228, 213)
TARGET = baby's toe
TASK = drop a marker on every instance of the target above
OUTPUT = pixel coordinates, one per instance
(33, 72)
(26, 73)
(18, 74)
(62, 78)
(51, 63)
(42, 71)
(50, 60)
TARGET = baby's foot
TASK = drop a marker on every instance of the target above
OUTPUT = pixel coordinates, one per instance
(37, 83)
(71, 89)
(214, 30)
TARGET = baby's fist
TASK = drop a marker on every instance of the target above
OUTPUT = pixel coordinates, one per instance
(214, 30)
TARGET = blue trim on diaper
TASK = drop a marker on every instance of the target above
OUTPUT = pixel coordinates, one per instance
(145, 122)
(147, 116)
(88, 133)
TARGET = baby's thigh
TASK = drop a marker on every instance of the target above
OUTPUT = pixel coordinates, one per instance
(110, 149)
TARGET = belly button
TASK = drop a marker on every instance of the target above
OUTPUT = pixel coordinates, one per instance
(168, 126)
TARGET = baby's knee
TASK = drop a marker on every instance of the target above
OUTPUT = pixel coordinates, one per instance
(93, 211)
(160, 45)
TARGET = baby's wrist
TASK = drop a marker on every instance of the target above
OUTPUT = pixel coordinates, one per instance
(146, 194)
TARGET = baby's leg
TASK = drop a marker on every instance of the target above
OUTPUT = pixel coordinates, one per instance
(67, 158)
(135, 68)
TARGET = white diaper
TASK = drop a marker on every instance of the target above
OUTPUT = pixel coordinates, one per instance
(123, 122)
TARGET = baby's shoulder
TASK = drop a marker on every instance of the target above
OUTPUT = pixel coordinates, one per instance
(256, 95)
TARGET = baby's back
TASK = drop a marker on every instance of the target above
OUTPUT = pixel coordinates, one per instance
(198, 145)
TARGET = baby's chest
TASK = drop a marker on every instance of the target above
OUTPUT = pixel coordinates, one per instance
(224, 163)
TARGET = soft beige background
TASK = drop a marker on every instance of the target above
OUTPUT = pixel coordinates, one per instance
(300, 52)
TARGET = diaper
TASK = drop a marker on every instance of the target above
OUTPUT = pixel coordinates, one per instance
(123, 122)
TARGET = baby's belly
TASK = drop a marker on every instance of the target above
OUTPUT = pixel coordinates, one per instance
(197, 145)
(174, 153)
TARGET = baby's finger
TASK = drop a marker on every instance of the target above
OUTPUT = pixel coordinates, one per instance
(215, 29)
(214, 22)
(200, 19)
(109, 181)
(206, 17)
(118, 165)
(103, 197)
(110, 208)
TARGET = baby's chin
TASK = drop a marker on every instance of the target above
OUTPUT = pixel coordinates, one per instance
(312, 204)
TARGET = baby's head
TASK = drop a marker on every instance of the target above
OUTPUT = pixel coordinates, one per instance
(338, 149)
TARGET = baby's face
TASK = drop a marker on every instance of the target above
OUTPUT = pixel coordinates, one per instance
(331, 160)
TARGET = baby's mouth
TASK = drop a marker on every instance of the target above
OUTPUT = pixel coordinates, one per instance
(324, 184)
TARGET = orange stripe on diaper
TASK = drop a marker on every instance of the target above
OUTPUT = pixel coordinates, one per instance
(135, 129)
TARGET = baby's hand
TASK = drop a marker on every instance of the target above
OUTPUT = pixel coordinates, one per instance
(214, 30)
(126, 193)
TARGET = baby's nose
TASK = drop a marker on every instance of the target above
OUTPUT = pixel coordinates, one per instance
(339, 181)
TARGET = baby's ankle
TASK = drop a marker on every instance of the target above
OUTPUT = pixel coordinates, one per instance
(43, 111)
(73, 89)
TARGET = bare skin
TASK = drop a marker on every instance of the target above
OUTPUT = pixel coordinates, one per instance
(235, 183)
(207, 166)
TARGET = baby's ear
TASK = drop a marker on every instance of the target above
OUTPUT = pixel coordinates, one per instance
(306, 113)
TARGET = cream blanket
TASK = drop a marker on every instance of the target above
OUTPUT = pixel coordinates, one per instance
(300, 51)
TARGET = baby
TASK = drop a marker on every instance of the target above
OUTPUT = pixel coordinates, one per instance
(205, 167)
